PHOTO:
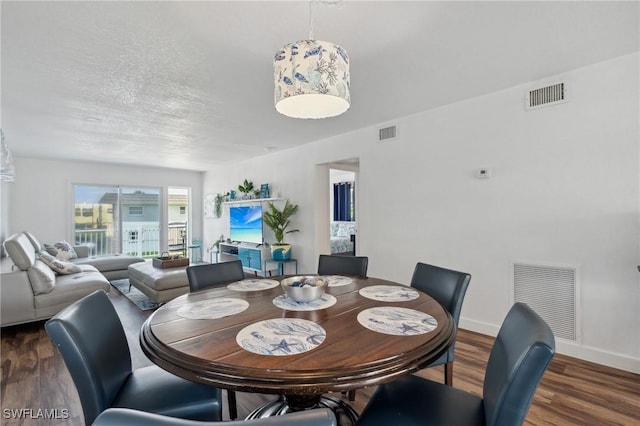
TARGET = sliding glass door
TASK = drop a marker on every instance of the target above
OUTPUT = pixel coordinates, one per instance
(96, 218)
(140, 213)
(114, 219)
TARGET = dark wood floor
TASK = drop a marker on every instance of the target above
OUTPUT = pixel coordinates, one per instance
(572, 392)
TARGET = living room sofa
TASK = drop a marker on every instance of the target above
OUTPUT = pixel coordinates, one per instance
(31, 291)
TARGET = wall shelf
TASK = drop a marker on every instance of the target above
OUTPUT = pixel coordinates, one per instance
(255, 200)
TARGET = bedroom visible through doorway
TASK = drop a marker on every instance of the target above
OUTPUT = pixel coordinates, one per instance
(343, 209)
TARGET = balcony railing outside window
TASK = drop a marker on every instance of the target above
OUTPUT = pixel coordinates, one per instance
(138, 240)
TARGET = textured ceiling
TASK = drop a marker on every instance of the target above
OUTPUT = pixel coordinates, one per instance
(190, 84)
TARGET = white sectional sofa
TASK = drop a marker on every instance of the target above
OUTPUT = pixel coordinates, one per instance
(32, 291)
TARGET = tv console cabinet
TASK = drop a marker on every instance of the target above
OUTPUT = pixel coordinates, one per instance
(252, 256)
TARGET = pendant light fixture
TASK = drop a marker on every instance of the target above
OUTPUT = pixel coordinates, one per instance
(311, 78)
(7, 168)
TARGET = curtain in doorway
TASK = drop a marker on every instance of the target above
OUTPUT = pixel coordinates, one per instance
(343, 208)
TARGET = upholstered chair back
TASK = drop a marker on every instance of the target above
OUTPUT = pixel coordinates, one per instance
(447, 286)
(213, 274)
(343, 265)
(94, 346)
(520, 355)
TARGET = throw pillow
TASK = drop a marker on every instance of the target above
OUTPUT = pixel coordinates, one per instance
(42, 278)
(59, 266)
(62, 250)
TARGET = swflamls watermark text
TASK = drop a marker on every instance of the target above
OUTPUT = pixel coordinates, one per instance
(35, 413)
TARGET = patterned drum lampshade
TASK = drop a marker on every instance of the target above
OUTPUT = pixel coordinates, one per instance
(311, 79)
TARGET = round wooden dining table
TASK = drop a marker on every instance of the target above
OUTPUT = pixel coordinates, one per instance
(249, 336)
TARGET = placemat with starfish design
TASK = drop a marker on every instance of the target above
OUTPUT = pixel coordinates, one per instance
(281, 336)
(397, 321)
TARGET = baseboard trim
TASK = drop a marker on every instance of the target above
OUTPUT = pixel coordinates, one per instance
(565, 347)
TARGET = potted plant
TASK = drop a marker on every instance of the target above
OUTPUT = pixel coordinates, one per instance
(217, 210)
(278, 221)
(246, 188)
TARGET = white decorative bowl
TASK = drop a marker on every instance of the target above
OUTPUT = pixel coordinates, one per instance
(304, 288)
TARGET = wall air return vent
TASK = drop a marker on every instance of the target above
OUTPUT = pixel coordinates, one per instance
(546, 96)
(551, 291)
(387, 133)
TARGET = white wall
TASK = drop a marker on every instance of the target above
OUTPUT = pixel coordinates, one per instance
(41, 196)
(5, 192)
(565, 190)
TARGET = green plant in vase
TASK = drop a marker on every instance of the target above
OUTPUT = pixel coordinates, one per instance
(246, 188)
(279, 221)
(217, 210)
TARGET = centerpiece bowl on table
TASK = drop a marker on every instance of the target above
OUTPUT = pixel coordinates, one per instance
(304, 289)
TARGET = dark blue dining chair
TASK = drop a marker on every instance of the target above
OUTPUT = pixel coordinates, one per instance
(93, 344)
(207, 275)
(120, 417)
(343, 265)
(448, 287)
(520, 355)
(210, 275)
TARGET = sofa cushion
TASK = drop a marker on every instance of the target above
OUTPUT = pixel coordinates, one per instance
(109, 262)
(70, 288)
(62, 250)
(42, 278)
(34, 241)
(21, 251)
(59, 266)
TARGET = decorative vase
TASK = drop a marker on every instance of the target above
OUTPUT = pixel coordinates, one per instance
(281, 251)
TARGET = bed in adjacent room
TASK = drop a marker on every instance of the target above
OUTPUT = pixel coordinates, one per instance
(341, 237)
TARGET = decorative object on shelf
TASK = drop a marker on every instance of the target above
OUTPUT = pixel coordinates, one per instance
(232, 195)
(246, 188)
(312, 77)
(220, 240)
(278, 221)
(7, 168)
(264, 191)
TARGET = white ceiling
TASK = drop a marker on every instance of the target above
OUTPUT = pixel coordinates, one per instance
(190, 84)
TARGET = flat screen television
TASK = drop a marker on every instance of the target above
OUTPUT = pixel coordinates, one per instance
(246, 224)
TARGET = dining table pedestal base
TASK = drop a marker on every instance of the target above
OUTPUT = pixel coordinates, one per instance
(345, 414)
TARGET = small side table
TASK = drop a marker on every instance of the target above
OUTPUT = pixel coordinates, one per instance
(280, 264)
(195, 251)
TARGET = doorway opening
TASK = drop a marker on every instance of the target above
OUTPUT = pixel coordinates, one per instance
(343, 207)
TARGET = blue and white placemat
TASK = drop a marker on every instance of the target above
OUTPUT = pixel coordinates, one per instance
(338, 280)
(281, 336)
(253, 285)
(285, 302)
(389, 293)
(213, 308)
(397, 321)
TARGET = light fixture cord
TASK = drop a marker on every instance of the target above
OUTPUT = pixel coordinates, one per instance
(329, 3)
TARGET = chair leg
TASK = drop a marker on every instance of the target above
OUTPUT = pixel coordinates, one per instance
(233, 407)
(352, 395)
(448, 373)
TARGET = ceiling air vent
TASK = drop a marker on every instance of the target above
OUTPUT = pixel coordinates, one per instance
(546, 96)
(387, 133)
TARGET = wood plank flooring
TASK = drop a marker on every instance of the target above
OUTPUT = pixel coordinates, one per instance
(572, 392)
